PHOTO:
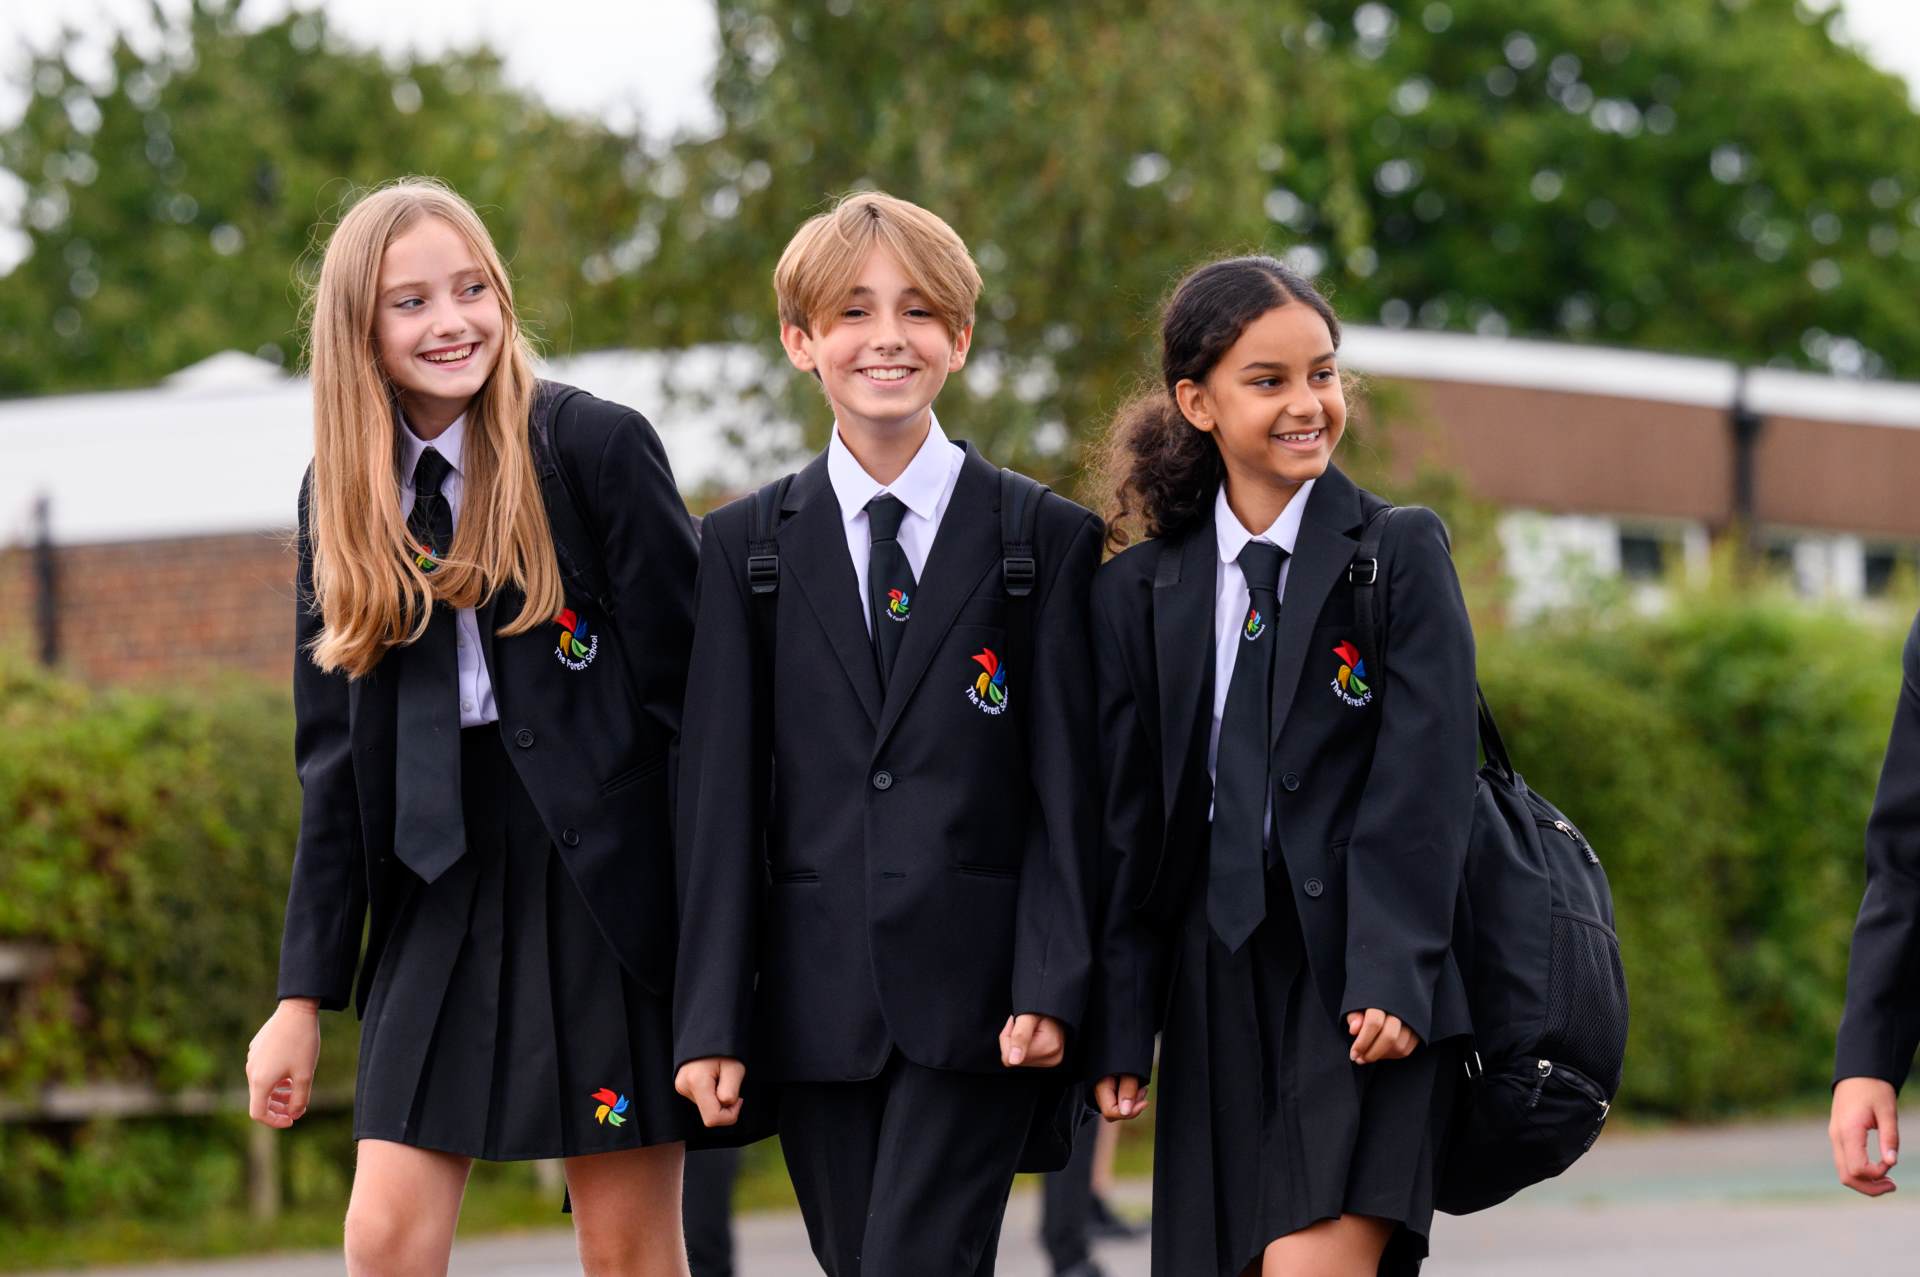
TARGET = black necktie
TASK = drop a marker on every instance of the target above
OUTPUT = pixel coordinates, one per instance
(890, 583)
(1236, 866)
(429, 830)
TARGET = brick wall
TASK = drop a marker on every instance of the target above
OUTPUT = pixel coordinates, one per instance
(146, 611)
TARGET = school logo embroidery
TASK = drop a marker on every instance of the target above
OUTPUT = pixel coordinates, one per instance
(612, 1108)
(425, 560)
(989, 691)
(1256, 624)
(577, 647)
(1349, 684)
(898, 605)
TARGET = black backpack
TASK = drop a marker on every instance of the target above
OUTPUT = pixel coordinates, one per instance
(1535, 942)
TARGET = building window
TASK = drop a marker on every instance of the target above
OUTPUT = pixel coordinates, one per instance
(1881, 564)
(1644, 556)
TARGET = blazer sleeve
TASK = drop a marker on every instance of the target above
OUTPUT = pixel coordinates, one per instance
(1133, 951)
(1409, 841)
(648, 548)
(327, 898)
(1880, 1027)
(719, 839)
(1053, 946)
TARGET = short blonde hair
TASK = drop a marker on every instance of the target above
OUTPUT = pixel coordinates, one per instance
(822, 259)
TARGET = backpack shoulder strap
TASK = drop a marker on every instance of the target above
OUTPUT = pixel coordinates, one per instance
(575, 542)
(1020, 499)
(1364, 573)
(763, 573)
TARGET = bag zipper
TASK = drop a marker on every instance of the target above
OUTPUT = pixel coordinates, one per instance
(1579, 840)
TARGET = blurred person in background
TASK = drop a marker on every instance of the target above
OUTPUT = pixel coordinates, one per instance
(484, 696)
(1880, 1027)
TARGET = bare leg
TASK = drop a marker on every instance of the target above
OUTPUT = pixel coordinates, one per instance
(1350, 1246)
(626, 1212)
(403, 1209)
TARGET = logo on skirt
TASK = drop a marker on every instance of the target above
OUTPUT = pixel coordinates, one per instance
(577, 647)
(611, 1109)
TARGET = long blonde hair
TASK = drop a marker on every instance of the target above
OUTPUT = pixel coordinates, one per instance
(369, 590)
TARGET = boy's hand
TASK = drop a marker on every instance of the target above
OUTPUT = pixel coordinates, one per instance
(280, 1063)
(1032, 1042)
(1862, 1104)
(1379, 1036)
(713, 1084)
(1121, 1097)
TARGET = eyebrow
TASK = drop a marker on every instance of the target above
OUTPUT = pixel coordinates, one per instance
(862, 290)
(1281, 366)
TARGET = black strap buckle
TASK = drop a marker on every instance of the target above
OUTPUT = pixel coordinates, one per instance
(1019, 573)
(1373, 571)
(763, 573)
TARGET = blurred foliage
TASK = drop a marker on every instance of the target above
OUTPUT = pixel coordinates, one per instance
(1716, 176)
(1722, 757)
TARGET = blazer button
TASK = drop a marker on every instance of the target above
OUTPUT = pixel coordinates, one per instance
(1290, 782)
(571, 837)
(883, 780)
(523, 738)
(1315, 887)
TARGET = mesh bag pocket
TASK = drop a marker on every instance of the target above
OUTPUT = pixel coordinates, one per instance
(1586, 1000)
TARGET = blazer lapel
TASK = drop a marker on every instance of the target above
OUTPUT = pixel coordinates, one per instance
(1320, 559)
(813, 543)
(1183, 653)
(964, 549)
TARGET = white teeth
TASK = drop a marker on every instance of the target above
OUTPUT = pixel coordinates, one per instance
(449, 356)
(887, 374)
(1307, 437)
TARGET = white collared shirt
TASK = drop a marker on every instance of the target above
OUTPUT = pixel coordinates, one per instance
(1232, 598)
(476, 687)
(924, 487)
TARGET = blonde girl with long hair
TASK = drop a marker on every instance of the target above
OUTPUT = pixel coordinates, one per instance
(494, 615)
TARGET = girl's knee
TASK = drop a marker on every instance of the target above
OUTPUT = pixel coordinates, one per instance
(390, 1239)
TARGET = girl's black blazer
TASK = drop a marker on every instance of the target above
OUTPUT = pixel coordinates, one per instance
(590, 743)
(1372, 801)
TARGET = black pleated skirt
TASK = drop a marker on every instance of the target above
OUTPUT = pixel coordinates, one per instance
(1265, 1125)
(500, 1025)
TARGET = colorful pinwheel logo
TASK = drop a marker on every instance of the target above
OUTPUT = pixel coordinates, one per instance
(1256, 624)
(989, 690)
(425, 560)
(1350, 683)
(612, 1108)
(577, 647)
(898, 605)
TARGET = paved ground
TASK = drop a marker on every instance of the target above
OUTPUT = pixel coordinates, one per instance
(1754, 1200)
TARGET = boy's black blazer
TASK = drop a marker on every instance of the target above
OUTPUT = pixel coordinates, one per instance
(590, 744)
(922, 867)
(1371, 803)
(1881, 1025)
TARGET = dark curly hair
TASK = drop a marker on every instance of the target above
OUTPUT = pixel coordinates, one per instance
(1158, 470)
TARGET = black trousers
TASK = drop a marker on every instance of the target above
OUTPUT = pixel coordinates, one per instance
(907, 1174)
(1067, 1198)
(706, 1209)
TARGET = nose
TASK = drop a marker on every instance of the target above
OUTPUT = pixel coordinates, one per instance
(446, 320)
(887, 333)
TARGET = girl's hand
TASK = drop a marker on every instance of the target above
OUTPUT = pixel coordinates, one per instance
(280, 1063)
(1032, 1042)
(1121, 1097)
(1379, 1036)
(713, 1084)
(1862, 1104)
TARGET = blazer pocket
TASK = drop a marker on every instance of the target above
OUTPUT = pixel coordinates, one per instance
(797, 875)
(632, 776)
(988, 871)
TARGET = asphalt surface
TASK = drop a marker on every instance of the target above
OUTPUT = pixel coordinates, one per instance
(1757, 1200)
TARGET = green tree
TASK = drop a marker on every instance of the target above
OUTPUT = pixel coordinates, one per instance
(167, 212)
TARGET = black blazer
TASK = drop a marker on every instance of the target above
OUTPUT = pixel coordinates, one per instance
(1880, 1027)
(922, 868)
(1371, 803)
(590, 744)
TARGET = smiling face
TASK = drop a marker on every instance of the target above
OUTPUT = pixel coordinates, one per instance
(1273, 403)
(882, 355)
(437, 323)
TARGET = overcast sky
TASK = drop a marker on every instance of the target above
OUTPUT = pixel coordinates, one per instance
(625, 60)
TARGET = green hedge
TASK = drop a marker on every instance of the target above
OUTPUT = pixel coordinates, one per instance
(1722, 758)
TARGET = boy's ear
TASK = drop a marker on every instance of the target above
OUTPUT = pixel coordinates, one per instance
(1195, 404)
(962, 342)
(798, 344)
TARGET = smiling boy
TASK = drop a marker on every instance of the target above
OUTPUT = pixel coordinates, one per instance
(886, 817)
